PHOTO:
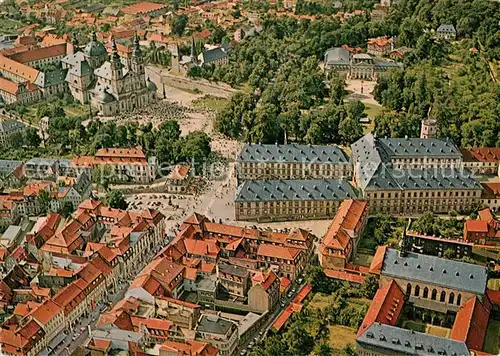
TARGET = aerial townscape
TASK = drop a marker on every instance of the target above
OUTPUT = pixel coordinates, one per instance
(250, 177)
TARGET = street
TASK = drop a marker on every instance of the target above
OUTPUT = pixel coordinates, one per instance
(79, 334)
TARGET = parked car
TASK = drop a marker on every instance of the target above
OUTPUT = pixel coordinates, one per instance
(243, 352)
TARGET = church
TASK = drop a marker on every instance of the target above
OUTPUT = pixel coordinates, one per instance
(105, 82)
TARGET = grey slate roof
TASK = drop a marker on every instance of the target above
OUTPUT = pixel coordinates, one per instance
(418, 147)
(435, 271)
(81, 69)
(39, 161)
(284, 190)
(104, 71)
(8, 166)
(446, 28)
(399, 341)
(372, 162)
(429, 178)
(292, 153)
(212, 55)
(7, 126)
(73, 58)
(232, 269)
(214, 324)
(82, 183)
(53, 77)
(337, 55)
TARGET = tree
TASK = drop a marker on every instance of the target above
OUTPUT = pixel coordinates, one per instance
(115, 199)
(299, 341)
(337, 88)
(323, 350)
(43, 199)
(16, 140)
(320, 282)
(179, 24)
(102, 175)
(349, 350)
(195, 149)
(449, 254)
(350, 130)
(369, 286)
(31, 138)
(66, 209)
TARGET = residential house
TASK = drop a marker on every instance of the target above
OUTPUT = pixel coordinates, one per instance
(482, 160)
(219, 332)
(446, 32)
(264, 295)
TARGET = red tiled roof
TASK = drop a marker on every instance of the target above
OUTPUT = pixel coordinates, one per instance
(302, 294)
(142, 8)
(345, 223)
(56, 50)
(345, 276)
(471, 323)
(188, 347)
(284, 283)
(378, 260)
(494, 296)
(285, 315)
(476, 226)
(99, 344)
(481, 154)
(285, 253)
(380, 41)
(19, 69)
(385, 307)
(179, 172)
(46, 312)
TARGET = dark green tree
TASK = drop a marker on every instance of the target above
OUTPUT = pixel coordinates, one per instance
(115, 199)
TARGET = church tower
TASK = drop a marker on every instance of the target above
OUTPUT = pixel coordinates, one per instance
(194, 57)
(116, 63)
(137, 62)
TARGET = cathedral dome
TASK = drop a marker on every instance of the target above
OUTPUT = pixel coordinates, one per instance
(151, 86)
(105, 97)
(94, 48)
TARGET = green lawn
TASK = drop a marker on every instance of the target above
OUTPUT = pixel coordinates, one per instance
(8, 26)
(372, 110)
(358, 303)
(492, 341)
(340, 337)
(211, 102)
(363, 259)
(320, 301)
(414, 325)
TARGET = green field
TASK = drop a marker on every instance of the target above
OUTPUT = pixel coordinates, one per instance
(8, 26)
(320, 301)
(427, 328)
(340, 337)
(414, 325)
(492, 341)
(211, 102)
(363, 259)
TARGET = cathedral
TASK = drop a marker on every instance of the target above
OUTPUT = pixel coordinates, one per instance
(109, 85)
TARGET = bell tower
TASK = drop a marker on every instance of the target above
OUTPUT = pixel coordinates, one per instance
(137, 62)
(116, 63)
